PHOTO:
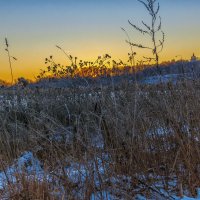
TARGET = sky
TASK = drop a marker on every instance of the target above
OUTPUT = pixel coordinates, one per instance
(87, 29)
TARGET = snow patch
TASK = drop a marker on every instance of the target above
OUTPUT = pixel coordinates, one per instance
(27, 164)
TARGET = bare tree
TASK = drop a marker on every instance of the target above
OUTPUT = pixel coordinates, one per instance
(152, 30)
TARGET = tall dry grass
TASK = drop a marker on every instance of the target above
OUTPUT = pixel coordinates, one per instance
(150, 134)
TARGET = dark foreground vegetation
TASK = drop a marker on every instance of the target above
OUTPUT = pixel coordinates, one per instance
(125, 141)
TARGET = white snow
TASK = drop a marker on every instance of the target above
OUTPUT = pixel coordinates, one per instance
(27, 163)
(76, 172)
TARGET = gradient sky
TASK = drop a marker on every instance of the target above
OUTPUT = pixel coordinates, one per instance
(88, 28)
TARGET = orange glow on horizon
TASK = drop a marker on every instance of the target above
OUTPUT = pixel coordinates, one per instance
(32, 69)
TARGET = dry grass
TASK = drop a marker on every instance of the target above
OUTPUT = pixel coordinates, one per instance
(150, 134)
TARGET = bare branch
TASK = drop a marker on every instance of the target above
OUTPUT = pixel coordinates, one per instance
(160, 25)
(138, 45)
(149, 59)
(161, 42)
(158, 8)
(148, 27)
(138, 29)
(146, 5)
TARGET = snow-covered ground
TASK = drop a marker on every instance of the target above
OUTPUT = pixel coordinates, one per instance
(27, 163)
(161, 79)
(32, 167)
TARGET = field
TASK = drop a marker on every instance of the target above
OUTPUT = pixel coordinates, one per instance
(122, 141)
(121, 127)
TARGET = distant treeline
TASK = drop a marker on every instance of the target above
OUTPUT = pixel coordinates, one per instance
(191, 68)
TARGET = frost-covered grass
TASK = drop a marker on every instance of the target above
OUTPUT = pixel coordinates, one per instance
(30, 168)
(113, 142)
